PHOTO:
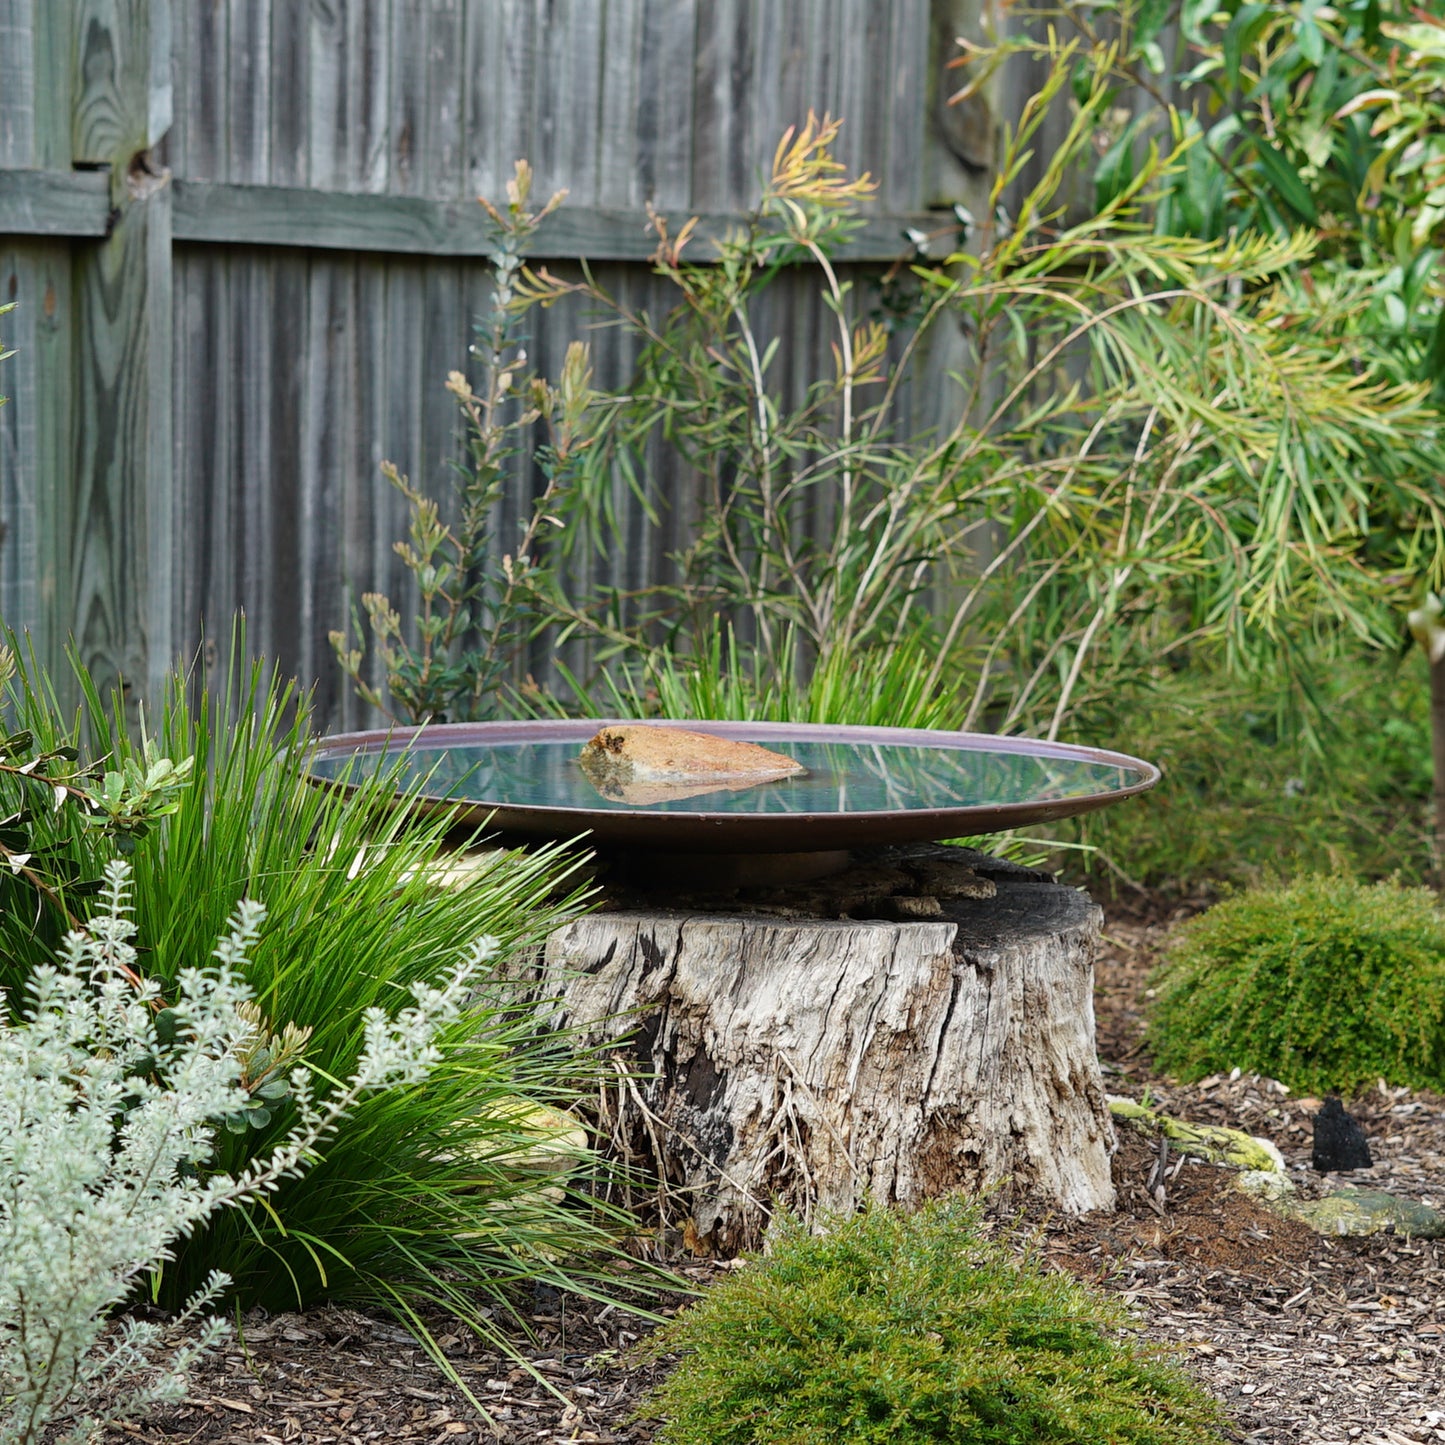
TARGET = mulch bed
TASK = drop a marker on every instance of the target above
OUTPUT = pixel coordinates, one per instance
(1305, 1338)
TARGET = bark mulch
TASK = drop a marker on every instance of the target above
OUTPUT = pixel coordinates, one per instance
(1329, 1341)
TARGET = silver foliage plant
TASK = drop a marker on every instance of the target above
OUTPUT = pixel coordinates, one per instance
(109, 1099)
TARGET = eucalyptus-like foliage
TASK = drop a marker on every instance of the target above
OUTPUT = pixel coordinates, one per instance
(108, 1110)
(1157, 441)
(1328, 120)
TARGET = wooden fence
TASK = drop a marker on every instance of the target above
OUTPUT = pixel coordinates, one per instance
(244, 244)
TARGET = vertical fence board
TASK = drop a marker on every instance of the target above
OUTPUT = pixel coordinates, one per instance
(329, 119)
(35, 431)
(289, 64)
(123, 583)
(285, 376)
(278, 606)
(123, 541)
(17, 83)
(722, 155)
(568, 95)
(497, 114)
(202, 35)
(121, 82)
(52, 41)
(248, 91)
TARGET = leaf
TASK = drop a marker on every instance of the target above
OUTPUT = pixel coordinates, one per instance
(1435, 356)
(1367, 100)
(1115, 172)
(1240, 35)
(17, 743)
(1285, 180)
(1311, 41)
(1153, 16)
(1193, 17)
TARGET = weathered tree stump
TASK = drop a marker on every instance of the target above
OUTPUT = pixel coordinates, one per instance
(933, 1039)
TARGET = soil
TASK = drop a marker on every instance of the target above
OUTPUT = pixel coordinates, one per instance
(1304, 1338)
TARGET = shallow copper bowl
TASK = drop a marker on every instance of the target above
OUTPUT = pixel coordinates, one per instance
(701, 829)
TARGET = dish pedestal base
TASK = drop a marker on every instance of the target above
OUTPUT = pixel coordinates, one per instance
(813, 1062)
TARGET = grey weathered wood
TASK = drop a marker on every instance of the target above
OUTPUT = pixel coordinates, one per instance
(567, 97)
(203, 37)
(35, 435)
(308, 131)
(122, 85)
(53, 43)
(818, 1062)
(500, 41)
(665, 117)
(290, 112)
(54, 203)
(351, 221)
(123, 545)
(123, 581)
(248, 85)
(17, 83)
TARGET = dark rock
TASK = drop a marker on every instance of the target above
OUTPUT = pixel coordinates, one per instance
(1340, 1143)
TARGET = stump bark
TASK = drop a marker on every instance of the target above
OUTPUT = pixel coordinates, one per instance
(767, 1058)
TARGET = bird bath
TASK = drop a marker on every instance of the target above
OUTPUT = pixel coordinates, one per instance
(864, 786)
(832, 1006)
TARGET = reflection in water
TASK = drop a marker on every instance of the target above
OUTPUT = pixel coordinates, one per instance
(841, 778)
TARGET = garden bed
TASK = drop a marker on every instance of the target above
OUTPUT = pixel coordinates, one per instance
(1305, 1339)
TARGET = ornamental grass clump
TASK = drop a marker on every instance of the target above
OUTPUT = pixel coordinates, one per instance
(1324, 984)
(910, 1329)
(108, 1130)
(459, 1194)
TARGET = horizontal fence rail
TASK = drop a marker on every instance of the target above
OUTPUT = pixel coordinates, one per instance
(78, 204)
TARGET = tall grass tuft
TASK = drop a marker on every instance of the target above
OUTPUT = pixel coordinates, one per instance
(728, 680)
(449, 1195)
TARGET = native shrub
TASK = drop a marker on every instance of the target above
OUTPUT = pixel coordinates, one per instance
(1267, 778)
(434, 1194)
(1157, 441)
(1325, 984)
(910, 1329)
(109, 1105)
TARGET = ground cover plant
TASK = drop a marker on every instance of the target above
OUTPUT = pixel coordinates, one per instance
(907, 1329)
(432, 1195)
(110, 1108)
(1325, 984)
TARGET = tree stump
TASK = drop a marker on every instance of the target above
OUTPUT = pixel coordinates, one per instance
(938, 1035)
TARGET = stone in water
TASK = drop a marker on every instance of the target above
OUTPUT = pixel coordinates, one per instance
(1339, 1141)
(644, 764)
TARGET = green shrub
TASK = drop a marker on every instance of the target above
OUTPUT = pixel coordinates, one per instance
(1262, 780)
(430, 1195)
(1325, 984)
(904, 1329)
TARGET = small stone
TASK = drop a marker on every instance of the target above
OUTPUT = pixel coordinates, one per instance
(905, 908)
(1362, 1212)
(1340, 1143)
(1265, 1184)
